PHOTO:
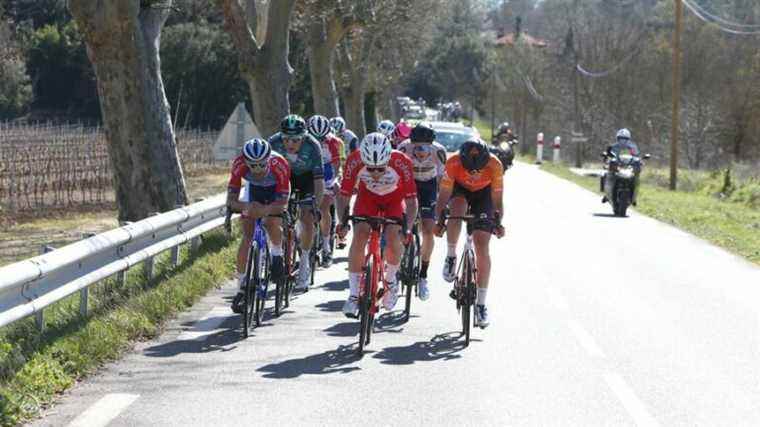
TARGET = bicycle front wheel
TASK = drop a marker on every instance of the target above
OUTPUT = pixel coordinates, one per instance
(262, 284)
(365, 303)
(468, 300)
(248, 292)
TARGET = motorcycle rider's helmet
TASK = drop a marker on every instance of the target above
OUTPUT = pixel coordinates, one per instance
(623, 134)
(293, 125)
(422, 133)
(474, 155)
(386, 127)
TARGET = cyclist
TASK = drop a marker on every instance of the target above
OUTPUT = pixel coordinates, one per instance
(266, 193)
(332, 147)
(429, 158)
(349, 138)
(386, 127)
(400, 134)
(304, 155)
(386, 187)
(473, 177)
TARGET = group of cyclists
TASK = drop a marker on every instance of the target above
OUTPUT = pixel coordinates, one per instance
(398, 172)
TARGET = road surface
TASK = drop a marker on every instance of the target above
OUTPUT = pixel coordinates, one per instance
(596, 320)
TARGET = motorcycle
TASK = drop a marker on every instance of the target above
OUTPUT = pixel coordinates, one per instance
(504, 150)
(624, 169)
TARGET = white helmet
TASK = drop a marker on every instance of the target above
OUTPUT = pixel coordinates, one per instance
(375, 149)
(386, 127)
(318, 126)
(623, 134)
(338, 124)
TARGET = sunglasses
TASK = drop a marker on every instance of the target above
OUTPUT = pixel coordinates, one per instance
(259, 165)
(376, 170)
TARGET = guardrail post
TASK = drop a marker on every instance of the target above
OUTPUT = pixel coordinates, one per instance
(175, 249)
(39, 317)
(84, 294)
(149, 262)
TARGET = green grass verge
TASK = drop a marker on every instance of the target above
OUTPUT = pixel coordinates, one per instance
(732, 225)
(35, 367)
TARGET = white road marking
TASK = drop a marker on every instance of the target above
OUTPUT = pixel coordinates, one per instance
(630, 401)
(104, 410)
(207, 325)
(557, 300)
(586, 340)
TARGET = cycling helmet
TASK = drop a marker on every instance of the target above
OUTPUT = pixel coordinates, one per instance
(375, 149)
(623, 134)
(293, 125)
(256, 150)
(318, 126)
(474, 155)
(338, 124)
(386, 127)
(402, 131)
(422, 133)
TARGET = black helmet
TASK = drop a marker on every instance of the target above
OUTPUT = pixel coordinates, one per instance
(474, 154)
(293, 125)
(422, 133)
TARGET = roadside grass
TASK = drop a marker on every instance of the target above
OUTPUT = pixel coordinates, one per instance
(35, 367)
(24, 237)
(727, 222)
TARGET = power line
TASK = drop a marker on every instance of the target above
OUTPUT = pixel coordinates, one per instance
(723, 20)
(605, 73)
(702, 17)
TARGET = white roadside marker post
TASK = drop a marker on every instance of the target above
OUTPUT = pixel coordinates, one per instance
(540, 148)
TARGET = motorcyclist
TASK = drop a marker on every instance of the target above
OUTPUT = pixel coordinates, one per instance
(623, 145)
(502, 145)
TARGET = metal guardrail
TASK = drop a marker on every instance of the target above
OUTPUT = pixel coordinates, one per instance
(28, 286)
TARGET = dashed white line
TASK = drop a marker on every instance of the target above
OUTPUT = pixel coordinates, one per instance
(557, 300)
(630, 401)
(586, 340)
(104, 410)
(207, 325)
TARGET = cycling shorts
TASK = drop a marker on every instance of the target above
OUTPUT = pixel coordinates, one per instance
(303, 183)
(481, 205)
(371, 204)
(427, 194)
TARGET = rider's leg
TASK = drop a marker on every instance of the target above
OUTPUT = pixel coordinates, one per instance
(326, 223)
(307, 230)
(356, 256)
(481, 240)
(458, 207)
(428, 243)
(273, 227)
(393, 250)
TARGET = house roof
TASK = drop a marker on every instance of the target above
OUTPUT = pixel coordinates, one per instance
(509, 40)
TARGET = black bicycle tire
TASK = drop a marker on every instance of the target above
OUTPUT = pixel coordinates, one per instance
(408, 275)
(466, 306)
(247, 295)
(257, 301)
(365, 302)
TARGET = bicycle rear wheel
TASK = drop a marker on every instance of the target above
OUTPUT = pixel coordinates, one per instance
(365, 303)
(409, 276)
(465, 295)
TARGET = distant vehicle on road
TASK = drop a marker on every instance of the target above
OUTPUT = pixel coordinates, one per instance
(414, 112)
(452, 135)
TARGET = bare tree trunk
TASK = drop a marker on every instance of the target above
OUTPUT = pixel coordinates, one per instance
(123, 41)
(320, 64)
(264, 65)
(353, 61)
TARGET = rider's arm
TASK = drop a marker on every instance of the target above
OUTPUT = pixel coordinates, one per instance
(497, 185)
(350, 172)
(317, 169)
(409, 186)
(410, 211)
(233, 187)
(319, 190)
(232, 200)
(281, 171)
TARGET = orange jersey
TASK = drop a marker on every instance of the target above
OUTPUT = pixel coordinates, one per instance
(492, 175)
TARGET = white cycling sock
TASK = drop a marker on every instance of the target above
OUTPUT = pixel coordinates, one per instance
(452, 250)
(353, 283)
(390, 273)
(275, 250)
(482, 292)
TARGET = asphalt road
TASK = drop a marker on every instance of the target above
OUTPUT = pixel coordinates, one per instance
(595, 321)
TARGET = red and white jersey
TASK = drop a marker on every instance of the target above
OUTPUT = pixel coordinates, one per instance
(397, 181)
(277, 178)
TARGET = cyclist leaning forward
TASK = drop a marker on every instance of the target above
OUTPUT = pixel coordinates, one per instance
(429, 158)
(304, 155)
(332, 153)
(267, 191)
(474, 178)
(386, 188)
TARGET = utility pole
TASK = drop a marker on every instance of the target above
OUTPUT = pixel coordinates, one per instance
(576, 114)
(676, 94)
(493, 99)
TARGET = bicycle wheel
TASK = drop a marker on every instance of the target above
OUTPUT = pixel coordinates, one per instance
(248, 293)
(365, 302)
(465, 295)
(408, 278)
(262, 283)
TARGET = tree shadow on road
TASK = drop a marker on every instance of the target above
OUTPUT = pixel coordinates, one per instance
(441, 347)
(608, 215)
(329, 362)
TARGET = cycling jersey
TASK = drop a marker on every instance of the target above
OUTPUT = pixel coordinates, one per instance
(385, 194)
(275, 185)
(308, 159)
(491, 175)
(428, 159)
(331, 153)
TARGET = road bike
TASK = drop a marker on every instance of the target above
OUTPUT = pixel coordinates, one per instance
(409, 273)
(291, 245)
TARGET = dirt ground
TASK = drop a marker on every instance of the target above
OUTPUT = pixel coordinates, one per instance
(25, 238)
